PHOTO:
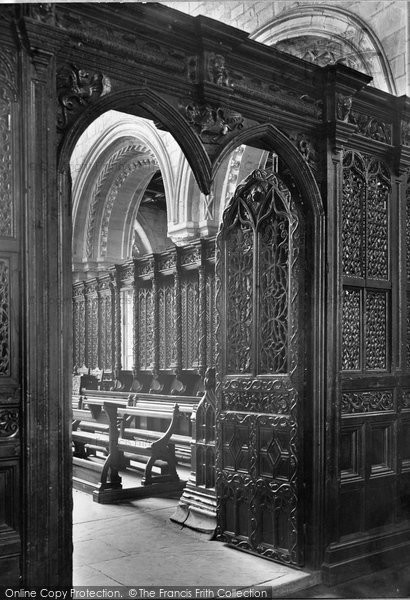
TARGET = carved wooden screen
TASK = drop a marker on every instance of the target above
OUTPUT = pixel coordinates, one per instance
(190, 319)
(146, 325)
(260, 365)
(166, 322)
(370, 404)
(210, 317)
(79, 358)
(105, 325)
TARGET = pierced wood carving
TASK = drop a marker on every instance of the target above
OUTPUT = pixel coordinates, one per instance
(365, 256)
(4, 318)
(365, 402)
(259, 277)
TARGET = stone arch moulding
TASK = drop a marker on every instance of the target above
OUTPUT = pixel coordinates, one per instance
(130, 101)
(131, 139)
(333, 23)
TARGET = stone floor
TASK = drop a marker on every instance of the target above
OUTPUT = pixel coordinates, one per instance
(136, 544)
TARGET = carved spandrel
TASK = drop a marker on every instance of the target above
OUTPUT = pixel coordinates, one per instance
(76, 89)
(307, 148)
(212, 123)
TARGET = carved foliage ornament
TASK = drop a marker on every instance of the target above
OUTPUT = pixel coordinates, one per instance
(271, 396)
(363, 402)
(306, 147)
(371, 127)
(212, 123)
(4, 319)
(367, 125)
(9, 423)
(76, 89)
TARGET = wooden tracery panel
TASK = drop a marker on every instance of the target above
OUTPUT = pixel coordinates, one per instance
(166, 322)
(373, 411)
(365, 264)
(79, 333)
(146, 323)
(190, 319)
(106, 324)
(91, 324)
(260, 282)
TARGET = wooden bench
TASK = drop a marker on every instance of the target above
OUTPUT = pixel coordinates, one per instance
(94, 399)
(141, 421)
(90, 430)
(154, 446)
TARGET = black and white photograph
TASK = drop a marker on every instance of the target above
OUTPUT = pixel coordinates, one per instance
(205, 299)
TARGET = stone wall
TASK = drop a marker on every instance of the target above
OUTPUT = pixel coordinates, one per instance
(387, 19)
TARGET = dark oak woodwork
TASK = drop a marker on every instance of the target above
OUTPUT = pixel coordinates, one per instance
(346, 148)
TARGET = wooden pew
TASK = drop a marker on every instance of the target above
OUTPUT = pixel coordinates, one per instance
(155, 446)
(144, 418)
(90, 431)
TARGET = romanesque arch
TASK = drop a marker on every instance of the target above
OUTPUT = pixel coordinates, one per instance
(326, 35)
